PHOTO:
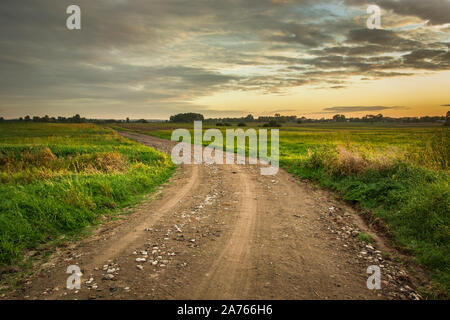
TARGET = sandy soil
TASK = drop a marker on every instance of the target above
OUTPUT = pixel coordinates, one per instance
(226, 232)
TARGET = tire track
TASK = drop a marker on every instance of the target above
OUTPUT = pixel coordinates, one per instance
(122, 242)
(227, 278)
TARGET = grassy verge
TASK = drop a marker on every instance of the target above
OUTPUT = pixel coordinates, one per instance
(55, 179)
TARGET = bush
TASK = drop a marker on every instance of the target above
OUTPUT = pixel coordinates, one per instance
(242, 124)
(272, 123)
(223, 124)
(186, 117)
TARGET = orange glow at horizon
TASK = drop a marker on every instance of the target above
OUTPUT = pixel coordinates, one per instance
(418, 95)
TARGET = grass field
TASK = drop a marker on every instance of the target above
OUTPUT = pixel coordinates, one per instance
(56, 179)
(398, 173)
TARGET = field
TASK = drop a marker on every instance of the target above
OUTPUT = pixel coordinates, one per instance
(397, 173)
(55, 179)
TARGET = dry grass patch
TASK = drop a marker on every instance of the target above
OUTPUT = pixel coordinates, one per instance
(340, 160)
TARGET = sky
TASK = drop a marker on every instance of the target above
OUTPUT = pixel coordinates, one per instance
(224, 58)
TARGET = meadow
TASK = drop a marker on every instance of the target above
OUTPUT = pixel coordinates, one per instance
(56, 179)
(398, 174)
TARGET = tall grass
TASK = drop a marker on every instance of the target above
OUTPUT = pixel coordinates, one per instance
(434, 152)
(57, 179)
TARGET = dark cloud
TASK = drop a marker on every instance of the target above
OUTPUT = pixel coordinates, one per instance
(359, 109)
(428, 59)
(382, 38)
(365, 50)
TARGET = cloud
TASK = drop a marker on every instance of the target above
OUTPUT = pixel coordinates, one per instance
(348, 109)
(381, 37)
(161, 56)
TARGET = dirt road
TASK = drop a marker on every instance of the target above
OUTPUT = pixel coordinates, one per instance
(225, 232)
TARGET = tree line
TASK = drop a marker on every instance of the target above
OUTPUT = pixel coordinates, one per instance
(274, 120)
(74, 119)
(278, 118)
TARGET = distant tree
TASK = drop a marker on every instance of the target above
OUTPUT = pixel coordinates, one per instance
(369, 118)
(2, 119)
(128, 120)
(21, 119)
(447, 119)
(249, 118)
(278, 118)
(187, 117)
(242, 124)
(339, 118)
(302, 120)
(377, 118)
(27, 118)
(76, 118)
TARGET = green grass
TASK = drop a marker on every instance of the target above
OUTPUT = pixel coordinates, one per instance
(366, 237)
(56, 179)
(397, 172)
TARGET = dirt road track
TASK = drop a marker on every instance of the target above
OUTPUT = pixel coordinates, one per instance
(225, 232)
(227, 277)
